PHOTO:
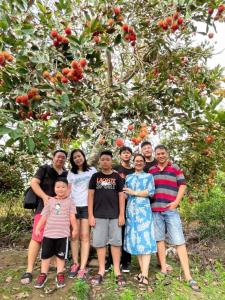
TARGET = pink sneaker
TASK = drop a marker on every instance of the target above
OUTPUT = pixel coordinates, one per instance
(60, 280)
(74, 270)
(82, 274)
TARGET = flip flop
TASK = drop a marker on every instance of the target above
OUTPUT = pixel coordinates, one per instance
(96, 279)
(120, 280)
(194, 286)
(26, 278)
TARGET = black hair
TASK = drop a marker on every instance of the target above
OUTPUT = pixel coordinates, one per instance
(139, 154)
(106, 152)
(62, 179)
(75, 168)
(125, 148)
(146, 143)
(162, 147)
(59, 150)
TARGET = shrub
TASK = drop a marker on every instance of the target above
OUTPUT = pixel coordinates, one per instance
(10, 178)
(207, 208)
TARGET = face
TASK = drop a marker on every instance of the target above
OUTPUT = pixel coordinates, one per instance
(61, 189)
(59, 159)
(147, 151)
(139, 163)
(125, 155)
(78, 158)
(105, 162)
(161, 156)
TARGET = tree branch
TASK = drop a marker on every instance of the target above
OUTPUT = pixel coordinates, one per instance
(110, 68)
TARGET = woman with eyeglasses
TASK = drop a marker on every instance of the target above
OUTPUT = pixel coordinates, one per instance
(139, 232)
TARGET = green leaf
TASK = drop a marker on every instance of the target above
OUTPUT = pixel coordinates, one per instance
(117, 39)
(42, 8)
(3, 24)
(30, 144)
(4, 130)
(16, 133)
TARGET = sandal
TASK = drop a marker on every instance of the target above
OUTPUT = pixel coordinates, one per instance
(26, 278)
(137, 277)
(120, 280)
(194, 286)
(143, 283)
(97, 279)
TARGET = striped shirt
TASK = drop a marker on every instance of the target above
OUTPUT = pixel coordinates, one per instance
(58, 217)
(167, 183)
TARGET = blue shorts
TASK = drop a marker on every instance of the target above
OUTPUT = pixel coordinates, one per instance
(168, 226)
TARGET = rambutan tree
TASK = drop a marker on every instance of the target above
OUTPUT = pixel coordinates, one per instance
(74, 72)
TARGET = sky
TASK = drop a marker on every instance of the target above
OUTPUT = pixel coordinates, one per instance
(218, 41)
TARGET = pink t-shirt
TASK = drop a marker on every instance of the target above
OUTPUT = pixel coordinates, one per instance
(58, 217)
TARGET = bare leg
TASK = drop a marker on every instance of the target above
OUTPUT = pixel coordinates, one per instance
(85, 242)
(45, 265)
(101, 252)
(183, 256)
(116, 253)
(162, 255)
(74, 243)
(60, 265)
(145, 264)
(33, 250)
(140, 261)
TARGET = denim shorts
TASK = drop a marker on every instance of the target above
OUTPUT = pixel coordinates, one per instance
(106, 231)
(82, 212)
(168, 227)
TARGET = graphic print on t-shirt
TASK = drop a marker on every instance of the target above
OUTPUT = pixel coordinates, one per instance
(106, 183)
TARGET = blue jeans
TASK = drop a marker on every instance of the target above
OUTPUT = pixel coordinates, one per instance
(168, 226)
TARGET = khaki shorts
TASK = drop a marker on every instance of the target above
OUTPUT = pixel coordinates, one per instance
(106, 231)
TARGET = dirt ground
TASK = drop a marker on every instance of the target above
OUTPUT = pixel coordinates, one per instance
(13, 264)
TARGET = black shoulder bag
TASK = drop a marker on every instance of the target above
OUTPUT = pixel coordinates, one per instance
(30, 198)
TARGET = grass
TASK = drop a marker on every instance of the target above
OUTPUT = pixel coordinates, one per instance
(211, 280)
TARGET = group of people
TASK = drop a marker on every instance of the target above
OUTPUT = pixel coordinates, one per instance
(131, 210)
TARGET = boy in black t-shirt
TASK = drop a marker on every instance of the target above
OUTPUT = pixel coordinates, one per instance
(123, 169)
(106, 215)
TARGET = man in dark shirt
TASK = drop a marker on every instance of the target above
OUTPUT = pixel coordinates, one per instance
(123, 169)
(106, 204)
(43, 185)
(147, 151)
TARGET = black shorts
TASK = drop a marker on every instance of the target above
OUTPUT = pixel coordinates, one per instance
(57, 247)
(82, 212)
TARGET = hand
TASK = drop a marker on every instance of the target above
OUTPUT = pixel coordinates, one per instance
(172, 205)
(121, 220)
(92, 221)
(129, 191)
(45, 199)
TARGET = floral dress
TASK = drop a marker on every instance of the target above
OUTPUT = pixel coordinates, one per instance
(139, 231)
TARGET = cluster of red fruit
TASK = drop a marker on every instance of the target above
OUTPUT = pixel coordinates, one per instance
(4, 57)
(143, 132)
(60, 39)
(75, 73)
(209, 139)
(33, 94)
(129, 34)
(30, 114)
(219, 14)
(171, 22)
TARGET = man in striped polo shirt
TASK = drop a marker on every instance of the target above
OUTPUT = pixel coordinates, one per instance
(170, 187)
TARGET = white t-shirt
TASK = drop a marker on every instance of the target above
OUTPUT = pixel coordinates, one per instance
(79, 189)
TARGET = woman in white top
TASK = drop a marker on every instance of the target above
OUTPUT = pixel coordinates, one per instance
(78, 178)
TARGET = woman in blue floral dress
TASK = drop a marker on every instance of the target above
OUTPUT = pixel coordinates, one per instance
(139, 232)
